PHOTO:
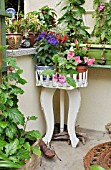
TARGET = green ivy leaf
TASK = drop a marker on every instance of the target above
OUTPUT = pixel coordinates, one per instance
(10, 102)
(16, 116)
(9, 164)
(3, 124)
(34, 133)
(3, 157)
(11, 131)
(23, 154)
(32, 118)
(21, 81)
(21, 141)
(3, 98)
(71, 81)
(36, 150)
(19, 71)
(2, 144)
(2, 86)
(27, 146)
(12, 147)
(13, 158)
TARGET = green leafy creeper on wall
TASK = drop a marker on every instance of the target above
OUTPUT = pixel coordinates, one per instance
(102, 28)
(72, 19)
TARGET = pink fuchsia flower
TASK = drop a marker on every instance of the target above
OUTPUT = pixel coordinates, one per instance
(55, 78)
(77, 59)
(101, 7)
(62, 79)
(70, 54)
(91, 61)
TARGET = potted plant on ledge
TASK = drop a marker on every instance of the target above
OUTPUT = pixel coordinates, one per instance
(14, 33)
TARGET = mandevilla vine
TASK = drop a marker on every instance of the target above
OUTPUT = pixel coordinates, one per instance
(72, 20)
(102, 28)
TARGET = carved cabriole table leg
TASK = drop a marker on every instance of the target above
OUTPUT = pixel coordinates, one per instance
(74, 104)
(47, 106)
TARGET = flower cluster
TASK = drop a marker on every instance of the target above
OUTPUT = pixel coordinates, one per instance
(79, 54)
(80, 60)
(61, 78)
(63, 39)
(47, 44)
(49, 37)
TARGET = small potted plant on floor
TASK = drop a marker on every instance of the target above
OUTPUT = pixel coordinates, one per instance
(16, 145)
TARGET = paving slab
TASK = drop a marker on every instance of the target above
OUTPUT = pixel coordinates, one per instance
(72, 158)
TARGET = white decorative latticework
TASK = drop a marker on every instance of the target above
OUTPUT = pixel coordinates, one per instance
(81, 80)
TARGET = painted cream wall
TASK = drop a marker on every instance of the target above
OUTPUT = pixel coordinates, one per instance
(30, 5)
(29, 102)
(95, 110)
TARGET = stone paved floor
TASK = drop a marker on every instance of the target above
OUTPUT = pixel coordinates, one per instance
(72, 158)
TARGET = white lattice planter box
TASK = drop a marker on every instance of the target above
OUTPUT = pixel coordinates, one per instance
(81, 80)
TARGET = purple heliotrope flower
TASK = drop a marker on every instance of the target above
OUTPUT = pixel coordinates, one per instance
(101, 7)
(51, 39)
(40, 36)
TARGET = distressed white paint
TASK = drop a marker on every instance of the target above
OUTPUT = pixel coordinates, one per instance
(74, 105)
(61, 110)
(80, 82)
(47, 107)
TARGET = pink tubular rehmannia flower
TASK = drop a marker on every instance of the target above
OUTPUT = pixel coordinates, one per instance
(70, 54)
(77, 59)
(62, 79)
(101, 7)
(55, 78)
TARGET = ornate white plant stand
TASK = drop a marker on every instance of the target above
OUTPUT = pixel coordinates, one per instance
(46, 98)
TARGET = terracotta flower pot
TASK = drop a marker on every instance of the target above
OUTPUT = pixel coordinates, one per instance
(32, 38)
(81, 68)
(13, 40)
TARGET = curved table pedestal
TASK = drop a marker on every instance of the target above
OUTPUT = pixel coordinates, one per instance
(47, 106)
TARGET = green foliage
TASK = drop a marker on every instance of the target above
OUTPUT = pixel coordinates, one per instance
(48, 16)
(62, 66)
(72, 20)
(45, 51)
(15, 143)
(102, 28)
(95, 167)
